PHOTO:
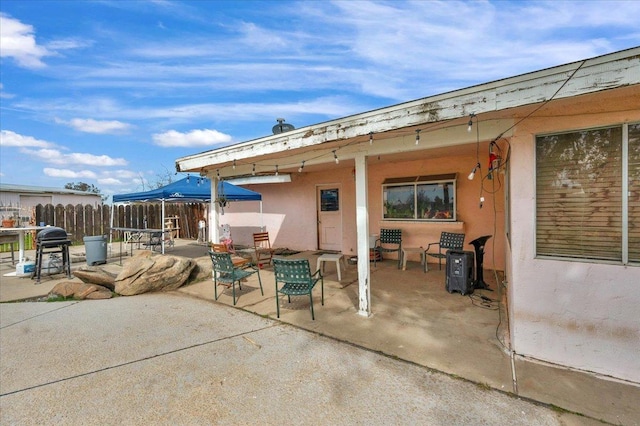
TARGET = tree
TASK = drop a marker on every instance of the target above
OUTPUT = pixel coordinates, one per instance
(81, 186)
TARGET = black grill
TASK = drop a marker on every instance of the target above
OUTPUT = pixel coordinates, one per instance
(52, 240)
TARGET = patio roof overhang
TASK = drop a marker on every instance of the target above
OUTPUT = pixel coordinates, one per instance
(441, 119)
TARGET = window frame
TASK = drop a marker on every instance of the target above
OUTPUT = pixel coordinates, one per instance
(416, 182)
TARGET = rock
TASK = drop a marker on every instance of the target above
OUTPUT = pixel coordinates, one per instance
(80, 290)
(147, 272)
(100, 293)
(202, 271)
(66, 288)
(96, 275)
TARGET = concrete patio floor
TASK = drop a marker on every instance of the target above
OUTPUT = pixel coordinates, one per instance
(413, 318)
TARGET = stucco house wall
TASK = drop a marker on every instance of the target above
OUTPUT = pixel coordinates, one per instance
(577, 313)
(289, 209)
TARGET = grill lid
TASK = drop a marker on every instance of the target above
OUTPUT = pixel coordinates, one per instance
(52, 233)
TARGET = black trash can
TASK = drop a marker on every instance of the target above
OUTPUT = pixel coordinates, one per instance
(96, 250)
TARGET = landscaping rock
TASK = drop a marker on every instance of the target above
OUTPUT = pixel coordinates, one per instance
(100, 293)
(80, 290)
(147, 272)
(202, 271)
(96, 275)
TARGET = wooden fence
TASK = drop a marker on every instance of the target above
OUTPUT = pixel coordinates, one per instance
(80, 221)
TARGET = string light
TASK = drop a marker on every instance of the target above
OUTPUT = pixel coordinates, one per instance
(253, 171)
(188, 178)
(417, 136)
(473, 172)
(335, 157)
(234, 164)
(218, 173)
(301, 167)
(276, 170)
(370, 138)
(470, 126)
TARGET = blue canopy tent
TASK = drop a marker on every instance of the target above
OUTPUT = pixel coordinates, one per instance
(186, 190)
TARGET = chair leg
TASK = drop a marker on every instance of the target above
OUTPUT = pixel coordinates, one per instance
(311, 303)
(260, 282)
(233, 291)
(277, 303)
(215, 288)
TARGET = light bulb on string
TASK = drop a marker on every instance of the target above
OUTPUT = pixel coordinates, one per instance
(301, 167)
(370, 138)
(234, 164)
(335, 157)
(253, 171)
(417, 136)
(276, 170)
(470, 126)
(218, 173)
(473, 172)
(188, 178)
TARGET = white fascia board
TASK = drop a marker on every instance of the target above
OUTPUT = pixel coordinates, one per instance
(596, 74)
(254, 180)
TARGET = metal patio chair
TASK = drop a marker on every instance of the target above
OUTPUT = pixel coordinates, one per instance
(225, 273)
(390, 241)
(296, 279)
(448, 241)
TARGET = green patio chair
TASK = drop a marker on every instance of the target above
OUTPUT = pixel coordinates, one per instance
(226, 274)
(448, 241)
(296, 279)
(390, 241)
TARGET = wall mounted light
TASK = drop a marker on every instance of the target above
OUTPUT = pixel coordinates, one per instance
(301, 167)
(253, 171)
(276, 170)
(234, 164)
(335, 157)
(417, 136)
(370, 138)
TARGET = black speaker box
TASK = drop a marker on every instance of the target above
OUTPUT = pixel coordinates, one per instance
(460, 272)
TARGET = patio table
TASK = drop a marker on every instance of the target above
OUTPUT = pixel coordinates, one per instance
(331, 257)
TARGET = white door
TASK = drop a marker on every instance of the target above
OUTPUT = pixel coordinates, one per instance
(329, 218)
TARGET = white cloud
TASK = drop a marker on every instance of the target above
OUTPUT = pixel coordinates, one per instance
(54, 156)
(66, 173)
(109, 181)
(204, 137)
(9, 138)
(17, 41)
(89, 125)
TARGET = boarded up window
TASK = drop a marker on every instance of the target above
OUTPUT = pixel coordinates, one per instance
(579, 195)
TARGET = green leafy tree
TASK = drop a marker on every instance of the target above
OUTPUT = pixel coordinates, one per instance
(81, 186)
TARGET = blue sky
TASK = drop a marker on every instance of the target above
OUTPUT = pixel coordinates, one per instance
(111, 92)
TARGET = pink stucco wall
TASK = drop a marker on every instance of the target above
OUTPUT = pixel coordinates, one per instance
(289, 209)
(574, 313)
